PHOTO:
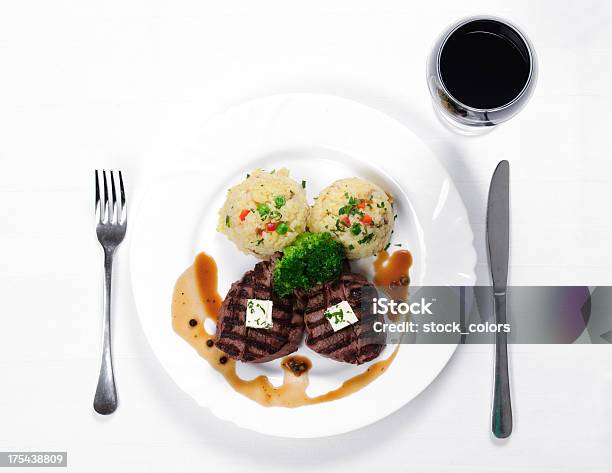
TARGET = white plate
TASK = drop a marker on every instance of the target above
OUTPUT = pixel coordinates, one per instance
(319, 139)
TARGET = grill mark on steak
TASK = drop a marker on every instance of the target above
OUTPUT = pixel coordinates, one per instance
(256, 340)
(357, 343)
(228, 348)
(253, 344)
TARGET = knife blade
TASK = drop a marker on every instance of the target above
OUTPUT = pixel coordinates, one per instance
(498, 243)
(498, 225)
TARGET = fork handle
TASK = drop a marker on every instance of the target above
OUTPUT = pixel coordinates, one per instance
(105, 400)
(501, 423)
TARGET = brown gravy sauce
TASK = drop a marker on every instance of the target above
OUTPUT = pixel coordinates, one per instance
(392, 273)
(196, 298)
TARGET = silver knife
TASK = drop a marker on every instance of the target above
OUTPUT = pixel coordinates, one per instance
(498, 230)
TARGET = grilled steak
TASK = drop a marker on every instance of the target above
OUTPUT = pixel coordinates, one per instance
(357, 343)
(258, 345)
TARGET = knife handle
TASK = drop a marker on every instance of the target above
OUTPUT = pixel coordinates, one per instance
(501, 423)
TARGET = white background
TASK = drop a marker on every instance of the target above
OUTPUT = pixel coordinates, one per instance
(129, 84)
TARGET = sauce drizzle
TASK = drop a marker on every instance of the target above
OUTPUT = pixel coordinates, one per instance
(206, 278)
(392, 273)
(297, 365)
(196, 297)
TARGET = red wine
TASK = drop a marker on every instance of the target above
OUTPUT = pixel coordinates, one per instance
(484, 64)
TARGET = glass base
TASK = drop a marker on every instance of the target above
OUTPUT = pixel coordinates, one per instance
(461, 128)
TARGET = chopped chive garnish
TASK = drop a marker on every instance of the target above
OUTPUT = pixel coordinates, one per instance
(275, 215)
(366, 239)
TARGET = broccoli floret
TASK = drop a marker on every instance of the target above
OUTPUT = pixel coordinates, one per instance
(313, 258)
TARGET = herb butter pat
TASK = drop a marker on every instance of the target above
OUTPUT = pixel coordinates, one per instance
(259, 313)
(340, 316)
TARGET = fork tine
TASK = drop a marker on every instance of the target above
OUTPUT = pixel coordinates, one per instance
(98, 213)
(114, 218)
(123, 206)
(105, 213)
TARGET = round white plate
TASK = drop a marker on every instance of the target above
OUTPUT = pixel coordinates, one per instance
(319, 139)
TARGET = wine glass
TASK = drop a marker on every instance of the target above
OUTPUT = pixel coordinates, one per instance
(481, 72)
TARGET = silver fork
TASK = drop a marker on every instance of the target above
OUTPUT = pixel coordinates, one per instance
(111, 224)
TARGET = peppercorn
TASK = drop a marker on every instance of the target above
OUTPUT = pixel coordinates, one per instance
(193, 322)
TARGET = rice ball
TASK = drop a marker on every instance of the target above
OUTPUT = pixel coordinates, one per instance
(357, 213)
(264, 213)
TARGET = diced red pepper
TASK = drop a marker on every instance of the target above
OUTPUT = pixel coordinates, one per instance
(345, 220)
(361, 205)
(271, 226)
(243, 214)
(366, 220)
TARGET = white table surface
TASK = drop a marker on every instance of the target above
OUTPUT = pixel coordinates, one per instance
(129, 84)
